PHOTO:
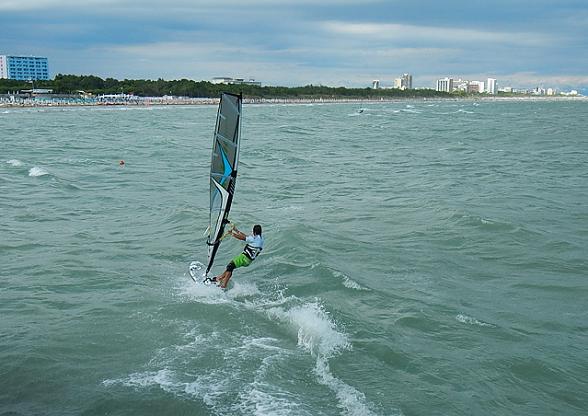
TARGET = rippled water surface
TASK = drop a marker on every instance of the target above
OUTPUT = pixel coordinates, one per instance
(422, 258)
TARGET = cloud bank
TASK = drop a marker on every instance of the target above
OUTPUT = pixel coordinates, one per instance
(332, 42)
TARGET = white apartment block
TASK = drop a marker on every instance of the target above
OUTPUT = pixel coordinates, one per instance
(445, 84)
(404, 82)
(235, 81)
(491, 86)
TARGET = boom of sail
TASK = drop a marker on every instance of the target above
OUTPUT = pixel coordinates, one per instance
(223, 169)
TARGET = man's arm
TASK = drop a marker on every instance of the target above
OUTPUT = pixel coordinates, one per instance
(238, 235)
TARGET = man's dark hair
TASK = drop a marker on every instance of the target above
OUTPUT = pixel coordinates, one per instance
(257, 229)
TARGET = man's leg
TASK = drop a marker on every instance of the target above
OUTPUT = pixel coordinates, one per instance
(224, 280)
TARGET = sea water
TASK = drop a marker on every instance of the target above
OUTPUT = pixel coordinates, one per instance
(422, 258)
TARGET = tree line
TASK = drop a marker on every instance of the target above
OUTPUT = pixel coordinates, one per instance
(74, 84)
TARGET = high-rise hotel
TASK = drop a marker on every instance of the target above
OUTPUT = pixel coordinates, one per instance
(24, 68)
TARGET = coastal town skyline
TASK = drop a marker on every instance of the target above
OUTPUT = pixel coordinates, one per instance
(339, 43)
(35, 68)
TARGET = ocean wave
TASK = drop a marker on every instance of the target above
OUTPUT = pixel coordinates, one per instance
(351, 400)
(464, 319)
(14, 162)
(37, 171)
(163, 378)
(317, 333)
(219, 387)
(348, 282)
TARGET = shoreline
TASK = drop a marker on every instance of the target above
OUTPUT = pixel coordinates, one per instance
(180, 101)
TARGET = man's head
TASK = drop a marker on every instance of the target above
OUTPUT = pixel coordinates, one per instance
(257, 229)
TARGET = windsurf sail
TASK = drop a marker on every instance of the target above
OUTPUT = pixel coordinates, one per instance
(223, 169)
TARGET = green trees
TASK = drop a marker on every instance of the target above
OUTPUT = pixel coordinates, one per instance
(72, 84)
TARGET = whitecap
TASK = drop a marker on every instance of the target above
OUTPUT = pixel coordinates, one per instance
(351, 400)
(349, 282)
(265, 399)
(352, 284)
(464, 319)
(163, 378)
(14, 162)
(317, 333)
(37, 171)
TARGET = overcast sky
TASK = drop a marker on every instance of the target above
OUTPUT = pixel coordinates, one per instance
(522, 43)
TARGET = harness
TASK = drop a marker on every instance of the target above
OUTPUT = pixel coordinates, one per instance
(251, 252)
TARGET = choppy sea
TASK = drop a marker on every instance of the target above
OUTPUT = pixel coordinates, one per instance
(422, 258)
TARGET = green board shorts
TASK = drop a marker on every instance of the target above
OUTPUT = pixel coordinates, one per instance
(240, 261)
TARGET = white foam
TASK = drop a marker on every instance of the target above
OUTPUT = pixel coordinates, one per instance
(261, 397)
(464, 319)
(207, 388)
(14, 162)
(261, 402)
(201, 293)
(352, 284)
(239, 290)
(263, 302)
(162, 378)
(37, 171)
(316, 332)
(348, 282)
(351, 400)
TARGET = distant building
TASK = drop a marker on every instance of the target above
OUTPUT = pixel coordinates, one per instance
(221, 80)
(460, 85)
(445, 84)
(539, 91)
(572, 93)
(24, 68)
(404, 82)
(376, 84)
(491, 86)
(477, 86)
(235, 81)
(3, 67)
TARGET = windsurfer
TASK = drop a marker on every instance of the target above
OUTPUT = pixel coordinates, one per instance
(250, 252)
